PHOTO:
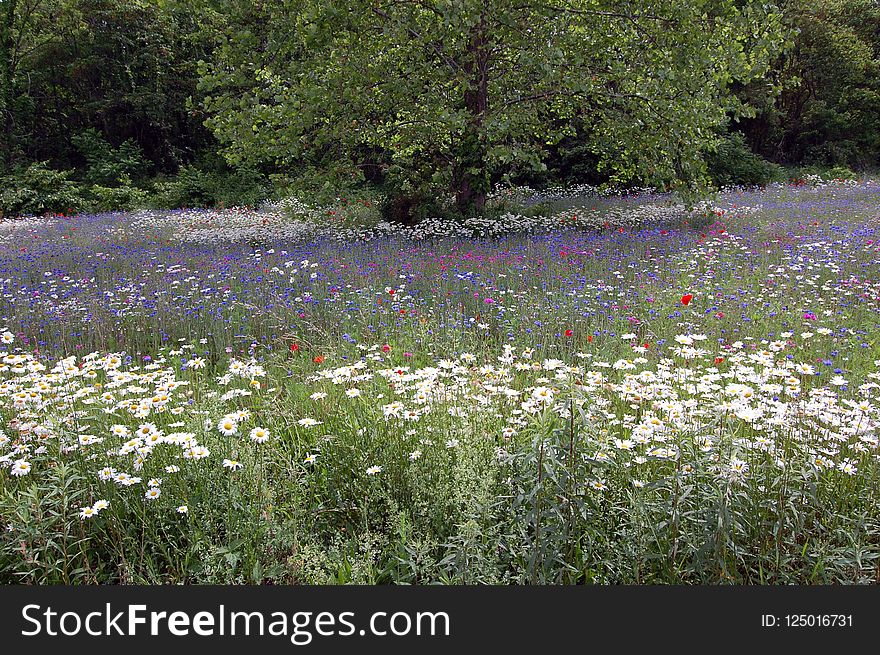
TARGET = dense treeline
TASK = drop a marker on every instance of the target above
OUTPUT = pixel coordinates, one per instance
(825, 109)
(112, 104)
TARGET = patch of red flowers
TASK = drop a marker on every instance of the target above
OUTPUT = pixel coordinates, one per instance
(686, 299)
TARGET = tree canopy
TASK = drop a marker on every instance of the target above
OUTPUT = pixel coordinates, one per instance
(450, 91)
(433, 100)
(825, 107)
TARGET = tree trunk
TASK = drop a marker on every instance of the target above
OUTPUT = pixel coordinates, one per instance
(470, 178)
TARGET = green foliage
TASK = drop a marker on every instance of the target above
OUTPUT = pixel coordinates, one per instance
(572, 92)
(298, 80)
(123, 68)
(106, 165)
(191, 187)
(825, 107)
(123, 196)
(39, 189)
(841, 173)
(732, 163)
(200, 187)
(51, 546)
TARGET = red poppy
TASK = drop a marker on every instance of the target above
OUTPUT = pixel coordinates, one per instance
(568, 333)
(686, 299)
(590, 338)
(719, 360)
(319, 359)
(294, 347)
(646, 345)
(386, 348)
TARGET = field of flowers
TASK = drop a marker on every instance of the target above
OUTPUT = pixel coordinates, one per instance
(617, 390)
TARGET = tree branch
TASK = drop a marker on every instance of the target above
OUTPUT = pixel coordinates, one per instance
(449, 61)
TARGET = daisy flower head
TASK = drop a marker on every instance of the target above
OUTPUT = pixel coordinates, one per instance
(259, 435)
(232, 464)
(227, 426)
(738, 467)
(196, 452)
(374, 470)
(196, 363)
(542, 394)
(147, 429)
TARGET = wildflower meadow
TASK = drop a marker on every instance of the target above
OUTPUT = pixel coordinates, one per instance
(613, 389)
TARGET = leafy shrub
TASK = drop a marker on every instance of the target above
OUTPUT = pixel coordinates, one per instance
(108, 166)
(123, 197)
(39, 189)
(841, 173)
(50, 547)
(197, 187)
(733, 163)
(189, 188)
(239, 187)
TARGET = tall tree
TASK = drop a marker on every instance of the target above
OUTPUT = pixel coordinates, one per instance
(827, 108)
(125, 68)
(453, 90)
(22, 31)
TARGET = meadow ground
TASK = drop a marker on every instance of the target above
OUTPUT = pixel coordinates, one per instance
(622, 391)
